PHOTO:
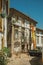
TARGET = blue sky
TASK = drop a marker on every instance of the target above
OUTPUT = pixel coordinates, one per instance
(32, 8)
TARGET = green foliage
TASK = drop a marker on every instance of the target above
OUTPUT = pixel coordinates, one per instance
(7, 51)
(2, 15)
(4, 53)
(3, 58)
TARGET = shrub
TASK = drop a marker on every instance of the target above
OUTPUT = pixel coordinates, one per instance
(7, 51)
(3, 58)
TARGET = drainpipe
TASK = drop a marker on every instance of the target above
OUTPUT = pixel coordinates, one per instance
(30, 38)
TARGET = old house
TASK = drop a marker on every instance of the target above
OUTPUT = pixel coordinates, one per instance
(17, 30)
(21, 31)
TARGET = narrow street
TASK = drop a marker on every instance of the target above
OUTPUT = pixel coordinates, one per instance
(24, 59)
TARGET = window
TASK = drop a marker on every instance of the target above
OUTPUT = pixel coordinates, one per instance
(4, 6)
(37, 32)
(0, 4)
(22, 35)
(42, 40)
(37, 39)
(16, 34)
(7, 6)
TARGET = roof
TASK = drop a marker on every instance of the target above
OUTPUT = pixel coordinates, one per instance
(18, 13)
(38, 29)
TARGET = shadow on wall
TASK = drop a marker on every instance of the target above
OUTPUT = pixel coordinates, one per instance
(36, 61)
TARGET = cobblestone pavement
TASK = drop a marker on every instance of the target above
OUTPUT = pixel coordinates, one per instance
(23, 59)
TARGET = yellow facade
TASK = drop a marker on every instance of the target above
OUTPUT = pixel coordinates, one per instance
(33, 36)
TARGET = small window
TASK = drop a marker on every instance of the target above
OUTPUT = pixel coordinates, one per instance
(42, 40)
(37, 39)
(37, 32)
(16, 34)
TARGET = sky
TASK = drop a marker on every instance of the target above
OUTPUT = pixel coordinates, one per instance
(32, 8)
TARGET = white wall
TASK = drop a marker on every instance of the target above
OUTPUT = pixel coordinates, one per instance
(39, 44)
